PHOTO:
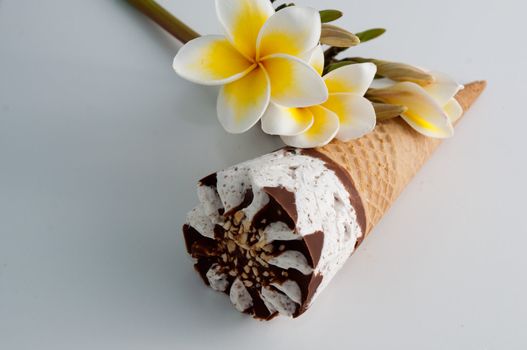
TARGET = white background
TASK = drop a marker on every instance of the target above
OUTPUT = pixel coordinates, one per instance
(101, 145)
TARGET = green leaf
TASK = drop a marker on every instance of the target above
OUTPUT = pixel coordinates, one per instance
(370, 34)
(327, 16)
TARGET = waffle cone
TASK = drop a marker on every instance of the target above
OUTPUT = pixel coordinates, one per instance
(383, 162)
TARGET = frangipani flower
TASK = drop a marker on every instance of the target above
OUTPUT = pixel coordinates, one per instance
(258, 61)
(346, 114)
(432, 108)
(444, 90)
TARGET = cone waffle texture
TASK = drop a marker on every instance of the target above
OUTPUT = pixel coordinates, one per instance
(383, 162)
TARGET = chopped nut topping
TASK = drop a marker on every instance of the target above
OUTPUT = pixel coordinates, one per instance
(246, 225)
(248, 283)
(238, 217)
(243, 238)
(268, 248)
(262, 261)
(242, 241)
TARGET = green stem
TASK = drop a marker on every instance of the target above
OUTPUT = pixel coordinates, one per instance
(165, 19)
(331, 54)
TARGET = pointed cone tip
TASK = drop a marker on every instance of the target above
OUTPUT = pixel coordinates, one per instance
(470, 93)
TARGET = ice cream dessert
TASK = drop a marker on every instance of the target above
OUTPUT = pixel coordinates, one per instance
(275, 229)
(272, 232)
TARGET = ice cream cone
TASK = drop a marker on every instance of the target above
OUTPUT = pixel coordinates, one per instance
(272, 232)
(383, 162)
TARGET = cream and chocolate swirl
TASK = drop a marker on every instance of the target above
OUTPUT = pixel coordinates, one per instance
(272, 232)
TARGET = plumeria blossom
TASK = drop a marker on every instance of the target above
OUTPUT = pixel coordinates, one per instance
(443, 91)
(346, 115)
(259, 60)
(432, 109)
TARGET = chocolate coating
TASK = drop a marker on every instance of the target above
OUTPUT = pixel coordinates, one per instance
(235, 249)
(347, 181)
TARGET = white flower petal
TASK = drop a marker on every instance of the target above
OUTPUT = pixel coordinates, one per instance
(316, 59)
(354, 78)
(356, 115)
(324, 129)
(242, 21)
(211, 60)
(424, 114)
(286, 121)
(293, 82)
(294, 31)
(443, 89)
(454, 110)
(242, 103)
